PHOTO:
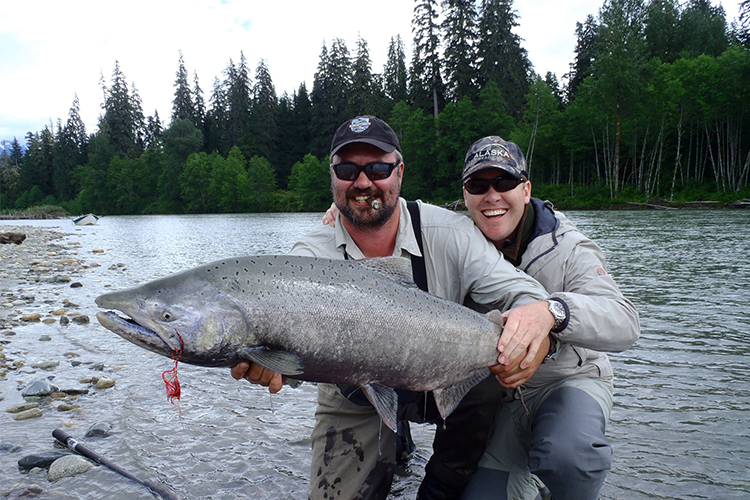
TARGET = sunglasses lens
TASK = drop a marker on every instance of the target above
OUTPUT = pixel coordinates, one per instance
(502, 185)
(378, 171)
(346, 171)
(477, 186)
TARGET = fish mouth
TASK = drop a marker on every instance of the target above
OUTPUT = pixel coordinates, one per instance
(133, 331)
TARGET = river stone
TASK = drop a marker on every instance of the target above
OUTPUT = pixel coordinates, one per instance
(22, 407)
(45, 338)
(41, 460)
(99, 429)
(68, 466)
(39, 388)
(76, 284)
(45, 365)
(104, 383)
(8, 237)
(81, 320)
(64, 320)
(6, 447)
(68, 407)
(31, 317)
(25, 415)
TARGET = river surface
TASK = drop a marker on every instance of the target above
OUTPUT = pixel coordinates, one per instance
(679, 428)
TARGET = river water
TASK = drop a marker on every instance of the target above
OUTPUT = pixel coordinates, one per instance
(679, 427)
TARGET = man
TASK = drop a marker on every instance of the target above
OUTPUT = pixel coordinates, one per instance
(353, 454)
(557, 430)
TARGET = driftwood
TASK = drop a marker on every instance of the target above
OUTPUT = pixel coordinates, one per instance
(17, 238)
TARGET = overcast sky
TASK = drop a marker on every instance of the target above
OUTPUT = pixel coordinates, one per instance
(51, 50)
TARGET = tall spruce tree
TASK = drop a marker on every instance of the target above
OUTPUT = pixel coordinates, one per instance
(661, 29)
(362, 100)
(239, 89)
(426, 88)
(260, 140)
(501, 57)
(460, 52)
(703, 28)
(395, 75)
(583, 65)
(199, 106)
(331, 84)
(182, 104)
(217, 133)
(118, 126)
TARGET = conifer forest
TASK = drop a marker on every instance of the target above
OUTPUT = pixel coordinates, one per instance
(655, 106)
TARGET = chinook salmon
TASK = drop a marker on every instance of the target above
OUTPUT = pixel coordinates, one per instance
(361, 323)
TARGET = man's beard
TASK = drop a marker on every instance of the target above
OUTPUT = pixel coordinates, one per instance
(377, 217)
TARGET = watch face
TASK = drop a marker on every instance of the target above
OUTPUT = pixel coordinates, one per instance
(557, 309)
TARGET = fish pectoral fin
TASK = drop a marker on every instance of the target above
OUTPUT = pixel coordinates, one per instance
(448, 398)
(284, 362)
(385, 401)
(496, 317)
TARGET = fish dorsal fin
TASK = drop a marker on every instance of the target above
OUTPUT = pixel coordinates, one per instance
(396, 269)
(284, 362)
(448, 398)
(385, 401)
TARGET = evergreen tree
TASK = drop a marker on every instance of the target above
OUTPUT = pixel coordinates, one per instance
(38, 166)
(460, 55)
(501, 57)
(426, 89)
(294, 133)
(585, 51)
(182, 104)
(362, 100)
(239, 89)
(261, 182)
(395, 76)
(70, 151)
(10, 172)
(118, 125)
(661, 29)
(703, 28)
(217, 133)
(261, 136)
(331, 84)
(199, 105)
(154, 130)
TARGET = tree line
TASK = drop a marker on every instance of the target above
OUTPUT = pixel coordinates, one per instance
(655, 105)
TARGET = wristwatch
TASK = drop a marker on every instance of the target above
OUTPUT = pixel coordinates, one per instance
(560, 312)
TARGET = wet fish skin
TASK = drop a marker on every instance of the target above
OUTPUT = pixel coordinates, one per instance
(362, 323)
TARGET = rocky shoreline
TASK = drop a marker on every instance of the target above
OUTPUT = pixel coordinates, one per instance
(35, 273)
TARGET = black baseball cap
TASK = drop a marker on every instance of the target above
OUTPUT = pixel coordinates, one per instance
(494, 152)
(368, 129)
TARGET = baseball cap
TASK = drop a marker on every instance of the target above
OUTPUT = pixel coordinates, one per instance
(368, 129)
(494, 152)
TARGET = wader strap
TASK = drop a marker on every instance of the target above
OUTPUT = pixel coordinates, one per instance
(418, 269)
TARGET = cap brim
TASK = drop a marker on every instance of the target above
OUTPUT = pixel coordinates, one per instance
(498, 166)
(388, 148)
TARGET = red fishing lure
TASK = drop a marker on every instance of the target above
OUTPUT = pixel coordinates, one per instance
(170, 376)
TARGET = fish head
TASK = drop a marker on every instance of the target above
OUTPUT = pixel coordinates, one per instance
(180, 313)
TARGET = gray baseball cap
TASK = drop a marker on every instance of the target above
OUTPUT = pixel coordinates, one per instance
(494, 152)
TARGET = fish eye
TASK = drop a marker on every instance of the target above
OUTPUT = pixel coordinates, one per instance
(167, 316)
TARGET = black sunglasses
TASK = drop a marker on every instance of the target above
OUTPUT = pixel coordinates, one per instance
(376, 171)
(500, 184)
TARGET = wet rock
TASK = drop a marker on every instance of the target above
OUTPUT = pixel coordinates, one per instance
(68, 303)
(99, 429)
(59, 312)
(75, 391)
(68, 466)
(24, 491)
(39, 388)
(41, 460)
(76, 284)
(68, 407)
(98, 250)
(104, 383)
(98, 367)
(64, 320)
(45, 338)
(6, 447)
(30, 317)
(45, 365)
(25, 415)
(15, 238)
(60, 278)
(22, 407)
(81, 319)
(49, 321)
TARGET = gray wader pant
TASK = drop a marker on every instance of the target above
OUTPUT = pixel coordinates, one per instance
(354, 454)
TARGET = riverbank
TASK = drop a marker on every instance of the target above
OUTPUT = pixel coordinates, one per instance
(43, 376)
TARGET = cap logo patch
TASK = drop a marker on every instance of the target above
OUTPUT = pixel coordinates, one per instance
(494, 152)
(359, 125)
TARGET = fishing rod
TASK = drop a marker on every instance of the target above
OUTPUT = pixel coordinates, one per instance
(66, 440)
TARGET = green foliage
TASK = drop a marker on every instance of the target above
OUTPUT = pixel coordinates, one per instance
(310, 184)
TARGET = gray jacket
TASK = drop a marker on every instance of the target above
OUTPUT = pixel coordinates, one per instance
(573, 268)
